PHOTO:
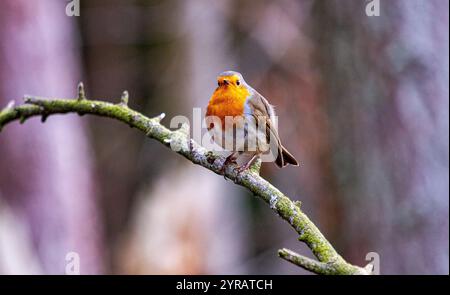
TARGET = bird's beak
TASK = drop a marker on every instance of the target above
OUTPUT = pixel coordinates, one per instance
(223, 82)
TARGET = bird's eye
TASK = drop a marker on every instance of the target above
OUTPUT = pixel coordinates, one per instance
(218, 83)
(238, 82)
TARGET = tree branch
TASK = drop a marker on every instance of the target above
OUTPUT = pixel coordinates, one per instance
(303, 261)
(329, 261)
(315, 266)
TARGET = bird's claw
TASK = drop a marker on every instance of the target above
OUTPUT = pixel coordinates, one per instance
(240, 169)
(225, 165)
(222, 170)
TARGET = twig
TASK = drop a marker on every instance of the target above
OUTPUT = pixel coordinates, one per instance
(317, 267)
(180, 142)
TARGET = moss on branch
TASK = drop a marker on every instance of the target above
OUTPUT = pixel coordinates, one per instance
(329, 261)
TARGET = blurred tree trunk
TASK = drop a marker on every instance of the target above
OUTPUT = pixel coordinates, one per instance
(386, 91)
(45, 170)
(184, 209)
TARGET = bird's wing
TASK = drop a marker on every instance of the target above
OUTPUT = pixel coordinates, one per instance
(260, 105)
(261, 109)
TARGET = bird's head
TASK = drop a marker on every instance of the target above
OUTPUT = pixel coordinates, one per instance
(230, 79)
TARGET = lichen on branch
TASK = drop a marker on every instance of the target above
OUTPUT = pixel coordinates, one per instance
(328, 260)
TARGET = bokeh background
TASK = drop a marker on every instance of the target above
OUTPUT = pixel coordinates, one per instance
(363, 104)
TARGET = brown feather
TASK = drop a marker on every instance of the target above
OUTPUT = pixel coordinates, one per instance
(262, 109)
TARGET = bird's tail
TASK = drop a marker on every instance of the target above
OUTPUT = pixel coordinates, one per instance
(285, 157)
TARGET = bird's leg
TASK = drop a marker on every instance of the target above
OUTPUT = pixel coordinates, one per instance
(230, 159)
(247, 165)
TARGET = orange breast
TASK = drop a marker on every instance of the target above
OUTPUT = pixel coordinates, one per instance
(227, 102)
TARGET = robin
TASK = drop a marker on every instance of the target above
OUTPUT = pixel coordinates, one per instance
(252, 117)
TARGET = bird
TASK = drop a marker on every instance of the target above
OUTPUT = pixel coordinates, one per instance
(252, 117)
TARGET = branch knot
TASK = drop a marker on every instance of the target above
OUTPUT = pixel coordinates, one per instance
(81, 92)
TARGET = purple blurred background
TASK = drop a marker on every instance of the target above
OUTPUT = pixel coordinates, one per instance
(363, 104)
